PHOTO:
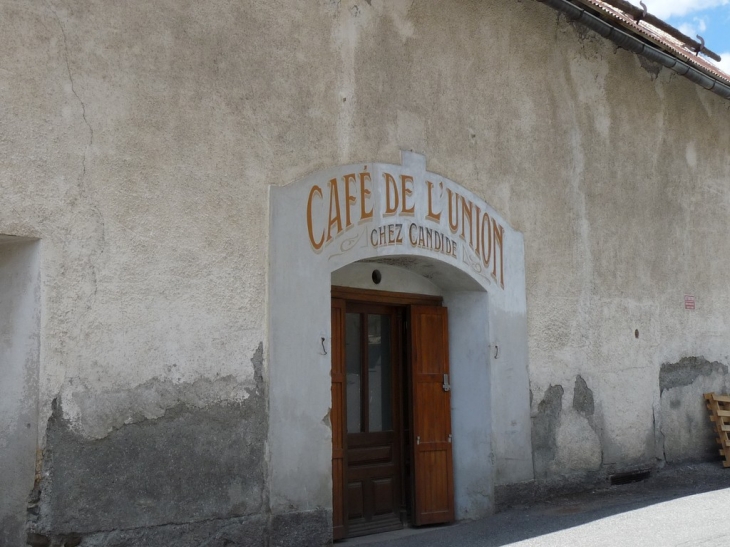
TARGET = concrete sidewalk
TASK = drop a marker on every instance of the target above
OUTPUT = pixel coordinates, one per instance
(683, 506)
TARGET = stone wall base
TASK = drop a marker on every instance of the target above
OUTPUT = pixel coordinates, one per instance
(308, 528)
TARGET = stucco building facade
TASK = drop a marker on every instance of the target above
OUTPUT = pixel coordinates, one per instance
(187, 188)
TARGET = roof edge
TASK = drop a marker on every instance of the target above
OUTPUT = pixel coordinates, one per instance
(640, 46)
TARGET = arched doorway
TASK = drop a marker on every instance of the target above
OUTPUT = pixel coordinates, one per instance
(427, 236)
(405, 426)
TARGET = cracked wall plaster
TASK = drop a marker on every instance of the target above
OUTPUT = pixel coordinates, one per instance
(578, 440)
(95, 415)
(566, 441)
(191, 464)
(652, 68)
(545, 429)
(310, 528)
(686, 433)
(578, 446)
(583, 402)
(188, 462)
(686, 371)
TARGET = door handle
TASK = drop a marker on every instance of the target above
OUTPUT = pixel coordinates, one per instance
(446, 386)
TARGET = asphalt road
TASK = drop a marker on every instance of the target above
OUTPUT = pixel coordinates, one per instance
(679, 506)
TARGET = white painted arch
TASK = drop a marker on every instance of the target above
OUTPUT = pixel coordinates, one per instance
(332, 225)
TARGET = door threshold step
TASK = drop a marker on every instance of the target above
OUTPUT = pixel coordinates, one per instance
(406, 532)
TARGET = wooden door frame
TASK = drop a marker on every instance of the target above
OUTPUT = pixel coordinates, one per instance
(339, 422)
(385, 297)
(394, 300)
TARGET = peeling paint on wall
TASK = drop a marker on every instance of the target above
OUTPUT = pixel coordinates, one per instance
(583, 398)
(544, 429)
(652, 68)
(685, 432)
(190, 463)
(578, 439)
(686, 371)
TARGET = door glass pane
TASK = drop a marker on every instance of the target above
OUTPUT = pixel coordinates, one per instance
(379, 373)
(353, 357)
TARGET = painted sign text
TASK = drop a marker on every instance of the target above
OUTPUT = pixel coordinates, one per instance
(433, 215)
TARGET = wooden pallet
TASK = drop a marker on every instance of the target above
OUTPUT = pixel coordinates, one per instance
(719, 407)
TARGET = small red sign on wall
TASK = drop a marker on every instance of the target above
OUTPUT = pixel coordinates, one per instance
(689, 302)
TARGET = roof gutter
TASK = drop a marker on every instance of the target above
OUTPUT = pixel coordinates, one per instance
(635, 45)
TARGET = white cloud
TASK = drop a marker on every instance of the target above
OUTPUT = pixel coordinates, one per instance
(688, 29)
(678, 8)
(694, 28)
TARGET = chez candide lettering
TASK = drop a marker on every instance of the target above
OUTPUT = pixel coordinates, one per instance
(343, 202)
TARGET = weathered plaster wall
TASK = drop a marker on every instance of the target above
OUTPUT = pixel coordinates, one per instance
(190, 463)
(120, 152)
(614, 172)
(138, 141)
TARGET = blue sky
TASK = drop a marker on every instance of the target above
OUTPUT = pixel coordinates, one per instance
(708, 18)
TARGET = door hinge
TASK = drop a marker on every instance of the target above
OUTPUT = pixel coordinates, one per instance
(449, 437)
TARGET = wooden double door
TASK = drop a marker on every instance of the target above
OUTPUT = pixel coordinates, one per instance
(391, 412)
